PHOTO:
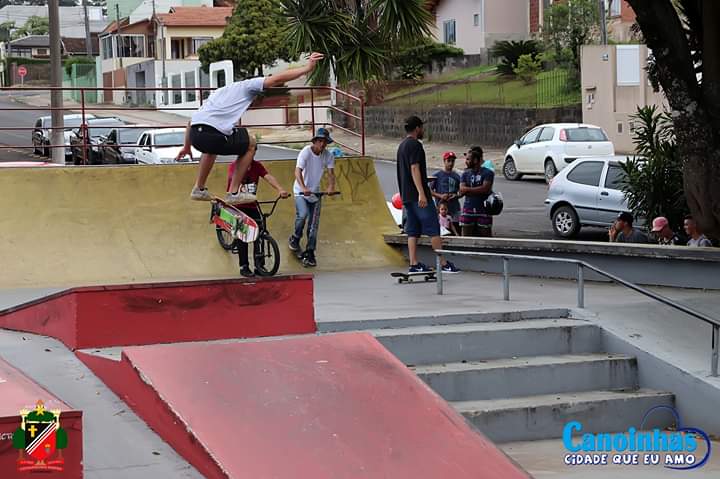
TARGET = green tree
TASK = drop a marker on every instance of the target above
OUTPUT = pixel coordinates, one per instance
(653, 183)
(412, 60)
(5, 29)
(685, 40)
(34, 26)
(568, 26)
(528, 68)
(253, 39)
(356, 36)
(510, 51)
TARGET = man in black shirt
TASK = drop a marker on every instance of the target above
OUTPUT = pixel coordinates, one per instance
(421, 215)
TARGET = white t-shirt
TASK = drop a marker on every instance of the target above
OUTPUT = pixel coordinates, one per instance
(226, 105)
(313, 166)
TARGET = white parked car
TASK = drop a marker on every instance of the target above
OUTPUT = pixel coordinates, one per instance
(547, 149)
(587, 193)
(157, 147)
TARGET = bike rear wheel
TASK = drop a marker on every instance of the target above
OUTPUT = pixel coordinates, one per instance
(267, 255)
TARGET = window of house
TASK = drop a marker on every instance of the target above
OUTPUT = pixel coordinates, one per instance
(106, 47)
(177, 52)
(587, 173)
(190, 95)
(176, 82)
(479, 18)
(42, 51)
(132, 46)
(449, 32)
(628, 65)
(613, 7)
(197, 42)
(204, 83)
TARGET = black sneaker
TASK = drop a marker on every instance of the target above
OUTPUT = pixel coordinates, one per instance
(246, 271)
(419, 268)
(294, 243)
(450, 268)
(308, 259)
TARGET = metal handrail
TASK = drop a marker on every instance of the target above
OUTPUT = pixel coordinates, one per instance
(581, 289)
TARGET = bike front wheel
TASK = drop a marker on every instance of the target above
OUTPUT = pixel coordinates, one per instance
(267, 256)
(225, 239)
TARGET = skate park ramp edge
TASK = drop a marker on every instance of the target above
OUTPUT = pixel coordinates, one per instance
(330, 406)
(82, 226)
(95, 317)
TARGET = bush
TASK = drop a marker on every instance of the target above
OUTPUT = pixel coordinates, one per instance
(528, 68)
(77, 61)
(654, 182)
(511, 51)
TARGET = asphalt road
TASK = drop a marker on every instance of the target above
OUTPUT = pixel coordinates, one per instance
(523, 215)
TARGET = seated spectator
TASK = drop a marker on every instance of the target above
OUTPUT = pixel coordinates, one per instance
(697, 239)
(445, 220)
(664, 235)
(622, 230)
(446, 187)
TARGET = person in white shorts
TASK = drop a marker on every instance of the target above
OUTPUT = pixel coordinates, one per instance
(312, 162)
(213, 129)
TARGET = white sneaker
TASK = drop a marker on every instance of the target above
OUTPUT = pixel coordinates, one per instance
(200, 195)
(239, 198)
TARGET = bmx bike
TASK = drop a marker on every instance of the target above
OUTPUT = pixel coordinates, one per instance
(266, 252)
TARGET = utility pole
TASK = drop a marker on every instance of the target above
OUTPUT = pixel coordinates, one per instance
(88, 39)
(119, 36)
(56, 96)
(603, 22)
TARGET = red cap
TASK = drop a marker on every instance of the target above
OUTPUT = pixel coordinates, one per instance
(659, 223)
(449, 154)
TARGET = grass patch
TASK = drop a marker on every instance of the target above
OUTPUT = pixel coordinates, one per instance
(549, 90)
(456, 75)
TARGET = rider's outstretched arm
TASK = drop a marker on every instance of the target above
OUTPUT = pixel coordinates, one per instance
(276, 184)
(293, 73)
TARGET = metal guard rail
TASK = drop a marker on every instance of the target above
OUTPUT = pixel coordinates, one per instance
(581, 289)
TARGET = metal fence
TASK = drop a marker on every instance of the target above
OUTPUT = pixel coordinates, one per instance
(550, 89)
(84, 107)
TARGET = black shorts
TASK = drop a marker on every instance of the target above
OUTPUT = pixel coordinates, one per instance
(207, 139)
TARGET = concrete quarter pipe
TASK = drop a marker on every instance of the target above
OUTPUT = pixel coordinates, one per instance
(109, 225)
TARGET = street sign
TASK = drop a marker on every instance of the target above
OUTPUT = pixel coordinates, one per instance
(22, 71)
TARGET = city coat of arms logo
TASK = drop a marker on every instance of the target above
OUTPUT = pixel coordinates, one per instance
(40, 440)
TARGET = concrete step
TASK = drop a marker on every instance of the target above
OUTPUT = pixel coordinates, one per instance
(440, 320)
(532, 418)
(524, 376)
(482, 341)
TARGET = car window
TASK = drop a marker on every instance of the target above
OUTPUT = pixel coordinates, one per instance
(615, 177)
(547, 134)
(129, 135)
(531, 137)
(112, 137)
(142, 140)
(73, 122)
(586, 173)
(170, 139)
(585, 134)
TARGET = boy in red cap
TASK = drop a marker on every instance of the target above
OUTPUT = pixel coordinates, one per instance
(446, 187)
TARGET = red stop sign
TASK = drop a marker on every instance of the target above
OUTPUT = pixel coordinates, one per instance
(22, 71)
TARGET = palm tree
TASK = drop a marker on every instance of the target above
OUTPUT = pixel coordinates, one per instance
(358, 37)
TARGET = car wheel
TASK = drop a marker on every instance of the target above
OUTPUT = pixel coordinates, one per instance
(565, 222)
(510, 171)
(550, 170)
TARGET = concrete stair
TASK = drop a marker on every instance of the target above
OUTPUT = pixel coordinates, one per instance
(522, 376)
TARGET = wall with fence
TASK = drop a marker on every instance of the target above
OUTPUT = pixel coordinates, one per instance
(487, 126)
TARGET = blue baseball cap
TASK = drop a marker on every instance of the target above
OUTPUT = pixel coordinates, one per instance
(322, 133)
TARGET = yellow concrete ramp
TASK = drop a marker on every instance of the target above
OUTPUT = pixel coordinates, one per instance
(111, 225)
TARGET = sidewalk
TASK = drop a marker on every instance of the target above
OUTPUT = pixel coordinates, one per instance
(384, 148)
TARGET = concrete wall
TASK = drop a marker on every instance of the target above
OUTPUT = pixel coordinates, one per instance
(676, 266)
(486, 126)
(499, 20)
(607, 104)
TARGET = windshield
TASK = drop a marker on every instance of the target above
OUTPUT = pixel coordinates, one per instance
(170, 139)
(585, 134)
(72, 122)
(129, 135)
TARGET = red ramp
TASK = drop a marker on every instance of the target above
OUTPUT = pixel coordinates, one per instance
(106, 316)
(334, 406)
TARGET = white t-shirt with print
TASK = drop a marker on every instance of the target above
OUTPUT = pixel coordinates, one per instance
(313, 167)
(226, 105)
